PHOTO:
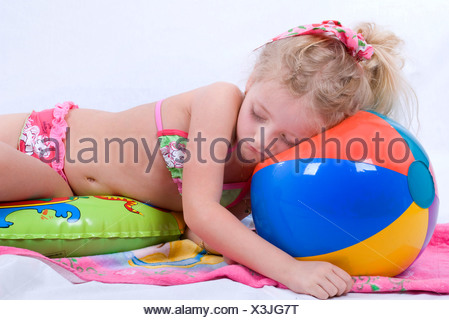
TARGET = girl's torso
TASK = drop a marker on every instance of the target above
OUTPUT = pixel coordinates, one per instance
(117, 153)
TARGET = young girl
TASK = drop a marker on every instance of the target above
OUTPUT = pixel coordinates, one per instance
(195, 152)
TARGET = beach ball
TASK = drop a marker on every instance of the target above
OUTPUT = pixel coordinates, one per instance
(361, 195)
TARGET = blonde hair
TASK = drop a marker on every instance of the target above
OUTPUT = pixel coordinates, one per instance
(337, 85)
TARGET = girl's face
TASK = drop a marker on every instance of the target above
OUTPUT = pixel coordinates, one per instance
(272, 120)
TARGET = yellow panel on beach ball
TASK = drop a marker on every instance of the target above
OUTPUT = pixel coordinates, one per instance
(388, 252)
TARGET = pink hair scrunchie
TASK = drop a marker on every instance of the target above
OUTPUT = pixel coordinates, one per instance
(355, 42)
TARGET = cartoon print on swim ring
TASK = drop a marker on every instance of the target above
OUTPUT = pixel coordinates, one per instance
(61, 206)
(90, 225)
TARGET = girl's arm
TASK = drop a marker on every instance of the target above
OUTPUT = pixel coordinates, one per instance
(214, 112)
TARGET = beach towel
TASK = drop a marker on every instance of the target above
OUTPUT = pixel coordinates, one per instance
(183, 262)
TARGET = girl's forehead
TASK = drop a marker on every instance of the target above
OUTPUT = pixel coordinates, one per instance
(274, 95)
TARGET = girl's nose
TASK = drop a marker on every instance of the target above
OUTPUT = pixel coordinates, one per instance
(266, 139)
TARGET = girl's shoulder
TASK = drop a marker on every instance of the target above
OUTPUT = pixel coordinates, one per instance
(213, 91)
(210, 103)
(225, 87)
(218, 94)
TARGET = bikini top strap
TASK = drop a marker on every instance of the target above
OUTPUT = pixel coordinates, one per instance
(157, 115)
(245, 189)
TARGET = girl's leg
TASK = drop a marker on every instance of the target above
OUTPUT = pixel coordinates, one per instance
(24, 177)
(11, 127)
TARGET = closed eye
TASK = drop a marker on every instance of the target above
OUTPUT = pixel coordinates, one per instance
(256, 116)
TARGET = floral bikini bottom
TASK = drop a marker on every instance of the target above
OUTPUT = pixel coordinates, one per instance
(43, 136)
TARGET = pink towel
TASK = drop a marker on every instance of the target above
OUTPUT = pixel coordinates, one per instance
(182, 262)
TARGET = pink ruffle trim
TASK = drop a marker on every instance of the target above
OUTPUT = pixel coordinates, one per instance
(178, 182)
(58, 132)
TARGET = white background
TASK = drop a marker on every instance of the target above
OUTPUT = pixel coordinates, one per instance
(114, 55)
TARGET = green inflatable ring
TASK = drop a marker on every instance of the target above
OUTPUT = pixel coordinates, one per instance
(82, 226)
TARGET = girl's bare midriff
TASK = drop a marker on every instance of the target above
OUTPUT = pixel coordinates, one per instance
(116, 153)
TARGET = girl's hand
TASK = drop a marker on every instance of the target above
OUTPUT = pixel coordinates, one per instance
(317, 278)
